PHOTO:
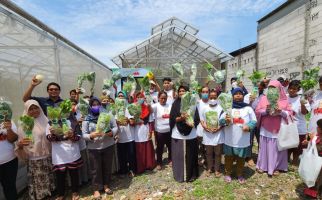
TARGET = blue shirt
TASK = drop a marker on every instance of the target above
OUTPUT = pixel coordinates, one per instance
(44, 102)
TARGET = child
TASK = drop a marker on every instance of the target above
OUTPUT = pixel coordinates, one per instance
(237, 135)
(300, 109)
(213, 137)
(315, 192)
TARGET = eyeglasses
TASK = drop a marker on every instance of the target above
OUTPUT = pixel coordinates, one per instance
(53, 89)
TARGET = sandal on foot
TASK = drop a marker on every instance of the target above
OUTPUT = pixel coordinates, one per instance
(217, 174)
(259, 171)
(227, 179)
(276, 173)
(241, 180)
(108, 191)
(96, 195)
(75, 196)
(159, 167)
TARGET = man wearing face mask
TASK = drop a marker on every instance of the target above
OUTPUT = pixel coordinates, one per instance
(201, 105)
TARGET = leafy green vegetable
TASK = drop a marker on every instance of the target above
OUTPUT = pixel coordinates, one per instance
(103, 123)
(188, 106)
(116, 76)
(272, 97)
(144, 83)
(65, 108)
(27, 124)
(219, 76)
(177, 67)
(226, 102)
(256, 77)
(209, 67)
(107, 84)
(53, 113)
(135, 110)
(212, 119)
(83, 106)
(240, 74)
(90, 77)
(311, 77)
(120, 106)
(5, 111)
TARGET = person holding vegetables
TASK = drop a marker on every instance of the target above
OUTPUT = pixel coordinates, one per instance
(270, 111)
(35, 150)
(99, 130)
(53, 90)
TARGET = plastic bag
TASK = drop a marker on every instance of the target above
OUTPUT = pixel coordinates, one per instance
(288, 135)
(212, 119)
(310, 165)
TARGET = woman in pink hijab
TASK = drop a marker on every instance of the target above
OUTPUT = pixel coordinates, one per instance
(271, 160)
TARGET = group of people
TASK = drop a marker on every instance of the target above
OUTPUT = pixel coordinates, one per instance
(127, 147)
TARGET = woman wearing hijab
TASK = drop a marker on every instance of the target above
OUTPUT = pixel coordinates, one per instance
(237, 135)
(271, 160)
(184, 143)
(36, 153)
(145, 155)
(101, 148)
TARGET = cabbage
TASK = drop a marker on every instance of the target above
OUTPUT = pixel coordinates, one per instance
(240, 74)
(107, 84)
(116, 76)
(272, 97)
(212, 119)
(120, 106)
(135, 110)
(27, 123)
(144, 83)
(226, 102)
(256, 77)
(103, 123)
(5, 111)
(219, 76)
(83, 106)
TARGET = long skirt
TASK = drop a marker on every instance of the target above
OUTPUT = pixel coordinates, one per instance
(145, 156)
(40, 178)
(185, 159)
(269, 158)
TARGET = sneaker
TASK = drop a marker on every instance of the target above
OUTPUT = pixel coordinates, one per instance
(227, 179)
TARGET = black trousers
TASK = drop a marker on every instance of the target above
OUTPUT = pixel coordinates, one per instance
(127, 157)
(8, 176)
(61, 180)
(161, 140)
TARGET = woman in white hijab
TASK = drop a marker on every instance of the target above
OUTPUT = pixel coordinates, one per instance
(36, 153)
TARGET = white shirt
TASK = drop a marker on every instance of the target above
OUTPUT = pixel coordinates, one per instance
(213, 138)
(64, 152)
(200, 105)
(126, 134)
(162, 115)
(141, 133)
(316, 111)
(299, 117)
(154, 96)
(234, 134)
(176, 134)
(7, 149)
(170, 98)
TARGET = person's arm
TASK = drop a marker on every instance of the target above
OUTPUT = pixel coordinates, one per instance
(304, 108)
(157, 85)
(28, 92)
(11, 131)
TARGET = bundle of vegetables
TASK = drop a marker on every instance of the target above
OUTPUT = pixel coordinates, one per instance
(144, 83)
(194, 85)
(209, 67)
(212, 119)
(112, 109)
(255, 78)
(240, 74)
(272, 97)
(65, 110)
(5, 111)
(120, 106)
(90, 77)
(27, 123)
(103, 123)
(83, 106)
(311, 77)
(135, 110)
(188, 106)
(219, 76)
(177, 67)
(130, 85)
(53, 114)
(107, 84)
(116, 76)
(226, 102)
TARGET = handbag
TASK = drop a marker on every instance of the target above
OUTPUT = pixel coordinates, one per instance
(310, 164)
(288, 135)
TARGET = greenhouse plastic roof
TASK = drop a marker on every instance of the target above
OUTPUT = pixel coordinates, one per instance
(171, 41)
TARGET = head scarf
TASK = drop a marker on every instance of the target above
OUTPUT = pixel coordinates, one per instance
(238, 104)
(91, 117)
(272, 123)
(41, 146)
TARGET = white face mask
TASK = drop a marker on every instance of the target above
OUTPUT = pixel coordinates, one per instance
(212, 102)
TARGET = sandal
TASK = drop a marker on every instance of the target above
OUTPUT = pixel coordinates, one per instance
(75, 196)
(159, 167)
(259, 171)
(227, 179)
(131, 174)
(217, 174)
(108, 191)
(60, 198)
(241, 180)
(276, 173)
(97, 195)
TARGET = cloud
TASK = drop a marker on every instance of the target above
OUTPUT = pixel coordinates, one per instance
(106, 27)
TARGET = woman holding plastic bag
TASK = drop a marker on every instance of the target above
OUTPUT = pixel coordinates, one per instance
(99, 130)
(35, 150)
(270, 111)
(184, 140)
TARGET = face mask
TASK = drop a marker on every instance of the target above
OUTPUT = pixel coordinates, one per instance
(151, 91)
(140, 101)
(95, 109)
(212, 102)
(234, 84)
(204, 96)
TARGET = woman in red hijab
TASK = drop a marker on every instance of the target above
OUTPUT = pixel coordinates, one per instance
(271, 160)
(145, 155)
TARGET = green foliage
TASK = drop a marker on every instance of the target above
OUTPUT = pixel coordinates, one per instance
(27, 124)
(103, 122)
(256, 77)
(135, 110)
(311, 77)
